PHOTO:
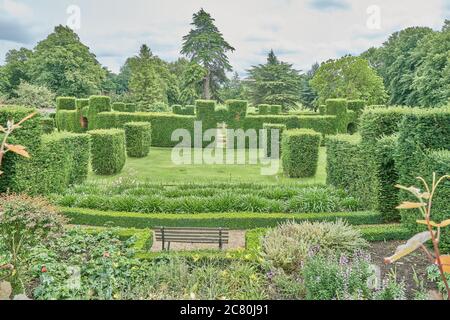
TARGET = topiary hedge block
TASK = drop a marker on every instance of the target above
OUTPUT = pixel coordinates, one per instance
(138, 139)
(237, 111)
(300, 152)
(131, 107)
(97, 104)
(356, 106)
(69, 121)
(119, 107)
(276, 144)
(29, 135)
(66, 103)
(62, 160)
(276, 109)
(48, 125)
(163, 125)
(263, 109)
(82, 103)
(177, 109)
(108, 151)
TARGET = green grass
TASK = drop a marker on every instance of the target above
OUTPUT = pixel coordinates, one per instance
(158, 167)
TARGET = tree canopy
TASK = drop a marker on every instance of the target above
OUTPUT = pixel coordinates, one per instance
(275, 82)
(349, 77)
(206, 46)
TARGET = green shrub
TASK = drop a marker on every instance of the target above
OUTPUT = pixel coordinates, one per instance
(323, 109)
(66, 103)
(205, 112)
(177, 109)
(263, 109)
(69, 121)
(338, 108)
(119, 107)
(108, 151)
(155, 107)
(388, 194)
(138, 139)
(276, 109)
(48, 125)
(334, 277)
(277, 144)
(29, 135)
(97, 104)
(378, 122)
(130, 107)
(61, 160)
(82, 103)
(300, 152)
(237, 110)
(356, 106)
(289, 245)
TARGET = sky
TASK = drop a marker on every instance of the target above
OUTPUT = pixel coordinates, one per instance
(300, 32)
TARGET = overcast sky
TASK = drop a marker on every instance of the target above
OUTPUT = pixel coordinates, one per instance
(300, 31)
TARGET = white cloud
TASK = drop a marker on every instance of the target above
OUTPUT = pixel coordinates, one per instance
(301, 33)
(16, 9)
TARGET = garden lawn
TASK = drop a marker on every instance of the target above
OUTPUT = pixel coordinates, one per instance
(158, 167)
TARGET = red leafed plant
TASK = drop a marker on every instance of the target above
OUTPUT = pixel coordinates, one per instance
(424, 205)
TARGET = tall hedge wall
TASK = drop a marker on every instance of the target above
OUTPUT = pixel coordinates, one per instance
(423, 147)
(163, 125)
(97, 104)
(138, 139)
(69, 121)
(300, 155)
(350, 168)
(268, 146)
(29, 135)
(61, 160)
(108, 151)
(237, 111)
(66, 103)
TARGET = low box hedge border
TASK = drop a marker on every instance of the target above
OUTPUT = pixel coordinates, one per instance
(236, 221)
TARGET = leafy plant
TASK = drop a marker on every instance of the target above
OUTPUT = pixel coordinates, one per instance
(424, 205)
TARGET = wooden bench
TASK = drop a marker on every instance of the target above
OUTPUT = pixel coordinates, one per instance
(218, 236)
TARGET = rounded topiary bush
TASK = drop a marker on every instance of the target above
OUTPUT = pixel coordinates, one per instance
(300, 152)
(108, 151)
(138, 138)
(66, 103)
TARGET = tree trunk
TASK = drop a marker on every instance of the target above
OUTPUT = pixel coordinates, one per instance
(206, 86)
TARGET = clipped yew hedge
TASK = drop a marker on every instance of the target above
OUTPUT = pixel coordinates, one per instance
(97, 104)
(163, 125)
(138, 139)
(61, 160)
(276, 144)
(300, 156)
(108, 151)
(66, 103)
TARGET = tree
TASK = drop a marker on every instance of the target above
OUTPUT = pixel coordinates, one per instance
(33, 96)
(351, 78)
(191, 83)
(308, 96)
(232, 89)
(205, 45)
(275, 82)
(431, 82)
(65, 65)
(15, 70)
(397, 64)
(145, 85)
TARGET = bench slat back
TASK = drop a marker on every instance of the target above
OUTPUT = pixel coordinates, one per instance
(192, 235)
